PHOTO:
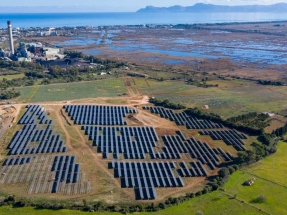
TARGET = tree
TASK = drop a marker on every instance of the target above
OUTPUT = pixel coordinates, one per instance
(161, 205)
(231, 169)
(259, 199)
(85, 202)
(246, 157)
(223, 172)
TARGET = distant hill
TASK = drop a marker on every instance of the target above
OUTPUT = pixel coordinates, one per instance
(210, 8)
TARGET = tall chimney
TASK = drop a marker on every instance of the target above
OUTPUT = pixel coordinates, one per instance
(10, 37)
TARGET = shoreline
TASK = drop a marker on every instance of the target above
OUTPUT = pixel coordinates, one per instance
(107, 17)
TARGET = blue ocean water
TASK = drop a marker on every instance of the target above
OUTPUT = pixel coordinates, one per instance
(101, 19)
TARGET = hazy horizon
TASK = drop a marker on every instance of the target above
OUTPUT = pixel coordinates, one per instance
(125, 5)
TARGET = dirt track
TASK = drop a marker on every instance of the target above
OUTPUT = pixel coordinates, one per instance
(85, 149)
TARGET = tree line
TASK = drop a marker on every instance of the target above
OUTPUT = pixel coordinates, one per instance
(9, 94)
(105, 62)
(55, 74)
(242, 117)
(216, 118)
(166, 103)
(16, 82)
(273, 83)
(13, 67)
(252, 119)
(280, 131)
(259, 151)
(268, 146)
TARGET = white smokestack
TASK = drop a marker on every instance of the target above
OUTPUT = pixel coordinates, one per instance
(10, 37)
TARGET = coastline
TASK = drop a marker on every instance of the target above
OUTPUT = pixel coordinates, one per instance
(27, 20)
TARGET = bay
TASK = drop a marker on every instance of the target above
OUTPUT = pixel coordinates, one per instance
(107, 19)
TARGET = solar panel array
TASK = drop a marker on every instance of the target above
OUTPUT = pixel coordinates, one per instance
(106, 127)
(230, 137)
(35, 113)
(175, 146)
(195, 169)
(42, 142)
(66, 171)
(133, 142)
(17, 160)
(45, 140)
(98, 115)
(144, 177)
(191, 122)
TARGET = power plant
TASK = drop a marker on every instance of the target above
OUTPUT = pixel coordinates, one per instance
(28, 52)
(10, 37)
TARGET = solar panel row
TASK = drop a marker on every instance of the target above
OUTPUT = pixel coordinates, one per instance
(35, 113)
(133, 142)
(98, 115)
(230, 137)
(175, 146)
(17, 161)
(144, 177)
(191, 122)
(196, 170)
(66, 171)
(46, 141)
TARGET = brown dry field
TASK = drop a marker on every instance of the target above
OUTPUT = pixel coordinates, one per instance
(103, 185)
(276, 122)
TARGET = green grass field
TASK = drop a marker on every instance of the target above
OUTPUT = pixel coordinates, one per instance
(8, 210)
(10, 77)
(270, 175)
(62, 92)
(25, 91)
(231, 98)
(216, 203)
(272, 168)
(275, 194)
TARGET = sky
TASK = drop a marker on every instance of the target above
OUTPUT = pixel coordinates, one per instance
(129, 5)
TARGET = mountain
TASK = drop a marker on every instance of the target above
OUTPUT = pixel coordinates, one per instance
(210, 8)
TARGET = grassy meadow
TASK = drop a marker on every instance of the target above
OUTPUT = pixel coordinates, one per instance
(272, 168)
(230, 98)
(71, 91)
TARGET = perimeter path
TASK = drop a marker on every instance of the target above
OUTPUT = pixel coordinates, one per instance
(138, 100)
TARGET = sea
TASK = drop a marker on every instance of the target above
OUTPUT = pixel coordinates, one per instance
(26, 20)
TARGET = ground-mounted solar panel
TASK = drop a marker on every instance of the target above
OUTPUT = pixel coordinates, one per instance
(186, 169)
(145, 176)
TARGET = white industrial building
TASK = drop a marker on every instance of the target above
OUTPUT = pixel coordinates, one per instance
(50, 32)
(53, 53)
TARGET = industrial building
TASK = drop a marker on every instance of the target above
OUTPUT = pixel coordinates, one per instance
(29, 51)
(50, 32)
(52, 53)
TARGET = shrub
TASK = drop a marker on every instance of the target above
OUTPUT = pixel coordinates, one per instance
(259, 199)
